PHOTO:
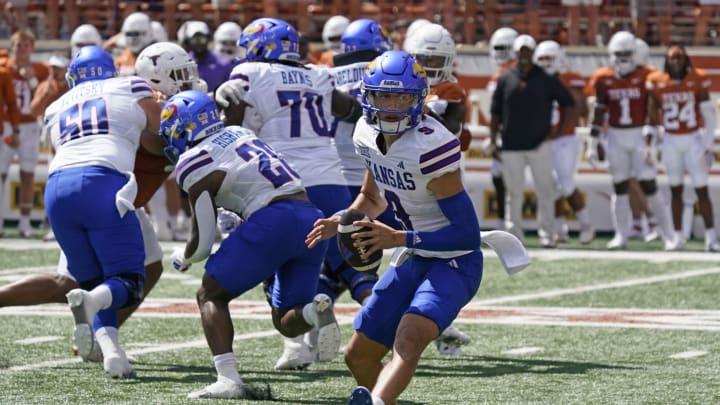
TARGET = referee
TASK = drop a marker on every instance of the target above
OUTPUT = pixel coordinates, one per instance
(521, 111)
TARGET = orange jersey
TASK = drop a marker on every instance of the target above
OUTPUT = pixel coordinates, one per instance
(590, 84)
(624, 97)
(125, 63)
(453, 93)
(572, 81)
(8, 104)
(23, 91)
(679, 100)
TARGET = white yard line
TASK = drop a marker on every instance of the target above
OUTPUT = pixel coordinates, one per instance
(595, 287)
(688, 355)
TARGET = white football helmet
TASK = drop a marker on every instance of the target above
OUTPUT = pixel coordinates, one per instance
(622, 52)
(137, 31)
(414, 26)
(549, 56)
(167, 67)
(642, 52)
(501, 45)
(226, 37)
(159, 33)
(434, 49)
(85, 34)
(332, 31)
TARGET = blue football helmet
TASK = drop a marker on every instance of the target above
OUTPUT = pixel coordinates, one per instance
(269, 39)
(187, 118)
(365, 34)
(90, 63)
(394, 72)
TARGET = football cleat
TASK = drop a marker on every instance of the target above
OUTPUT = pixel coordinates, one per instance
(587, 234)
(617, 242)
(712, 246)
(223, 388)
(83, 313)
(450, 340)
(448, 349)
(360, 396)
(118, 366)
(297, 355)
(328, 340)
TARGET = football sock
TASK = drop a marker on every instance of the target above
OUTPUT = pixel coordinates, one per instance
(109, 341)
(226, 367)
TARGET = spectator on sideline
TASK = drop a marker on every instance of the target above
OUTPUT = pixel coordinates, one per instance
(521, 115)
(27, 75)
(214, 68)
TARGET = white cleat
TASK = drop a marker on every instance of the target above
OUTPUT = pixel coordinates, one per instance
(118, 366)
(328, 340)
(652, 236)
(617, 242)
(712, 246)
(223, 388)
(587, 234)
(450, 340)
(297, 355)
(83, 313)
(26, 232)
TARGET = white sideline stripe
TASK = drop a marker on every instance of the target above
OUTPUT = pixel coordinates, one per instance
(38, 339)
(688, 355)
(596, 287)
(523, 350)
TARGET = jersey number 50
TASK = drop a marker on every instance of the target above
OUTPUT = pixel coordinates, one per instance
(88, 118)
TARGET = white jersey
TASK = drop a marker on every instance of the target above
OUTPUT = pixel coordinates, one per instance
(98, 123)
(348, 78)
(403, 173)
(254, 175)
(289, 107)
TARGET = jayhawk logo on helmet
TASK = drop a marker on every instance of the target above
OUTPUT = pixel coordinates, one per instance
(168, 112)
(254, 29)
(418, 70)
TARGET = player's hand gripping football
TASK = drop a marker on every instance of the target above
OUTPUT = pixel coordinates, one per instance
(378, 237)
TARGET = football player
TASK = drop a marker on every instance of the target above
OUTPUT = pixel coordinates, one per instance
(680, 103)
(292, 108)
(230, 167)
(421, 293)
(136, 34)
(90, 193)
(566, 148)
(620, 92)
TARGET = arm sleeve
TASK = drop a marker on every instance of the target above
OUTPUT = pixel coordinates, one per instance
(463, 232)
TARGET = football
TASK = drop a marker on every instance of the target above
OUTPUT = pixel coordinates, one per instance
(351, 253)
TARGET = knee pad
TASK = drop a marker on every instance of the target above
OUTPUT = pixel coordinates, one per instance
(357, 281)
(331, 283)
(135, 283)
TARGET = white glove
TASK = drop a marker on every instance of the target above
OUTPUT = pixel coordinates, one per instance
(229, 92)
(591, 153)
(227, 221)
(178, 260)
(438, 106)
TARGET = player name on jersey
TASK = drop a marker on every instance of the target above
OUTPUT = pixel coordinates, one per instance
(619, 94)
(295, 77)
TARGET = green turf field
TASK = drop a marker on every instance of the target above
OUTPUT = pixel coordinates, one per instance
(576, 327)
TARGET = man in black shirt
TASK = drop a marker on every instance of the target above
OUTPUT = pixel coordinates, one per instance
(521, 114)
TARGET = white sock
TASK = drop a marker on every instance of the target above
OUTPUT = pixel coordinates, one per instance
(226, 367)
(377, 401)
(583, 216)
(309, 314)
(109, 341)
(621, 213)
(101, 297)
(710, 235)
(24, 222)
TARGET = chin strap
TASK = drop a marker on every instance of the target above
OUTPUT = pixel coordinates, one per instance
(205, 219)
